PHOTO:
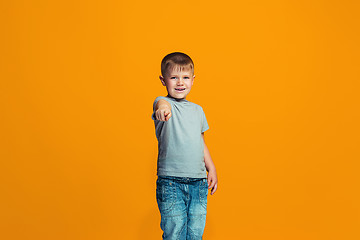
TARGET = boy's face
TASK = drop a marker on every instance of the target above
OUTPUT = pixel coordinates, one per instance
(178, 83)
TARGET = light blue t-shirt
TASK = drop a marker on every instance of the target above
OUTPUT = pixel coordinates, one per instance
(180, 145)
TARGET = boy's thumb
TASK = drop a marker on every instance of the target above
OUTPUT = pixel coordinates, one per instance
(168, 115)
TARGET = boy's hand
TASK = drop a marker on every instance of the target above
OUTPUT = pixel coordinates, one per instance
(212, 181)
(163, 113)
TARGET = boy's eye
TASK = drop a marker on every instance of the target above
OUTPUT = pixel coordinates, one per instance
(176, 77)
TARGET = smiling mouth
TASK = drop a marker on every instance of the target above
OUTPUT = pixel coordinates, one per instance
(180, 89)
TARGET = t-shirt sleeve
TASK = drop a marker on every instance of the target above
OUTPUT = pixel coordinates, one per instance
(205, 125)
(154, 104)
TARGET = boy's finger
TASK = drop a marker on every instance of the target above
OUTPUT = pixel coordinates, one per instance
(167, 116)
(214, 189)
(212, 184)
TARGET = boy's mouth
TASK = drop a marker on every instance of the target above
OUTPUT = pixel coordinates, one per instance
(180, 89)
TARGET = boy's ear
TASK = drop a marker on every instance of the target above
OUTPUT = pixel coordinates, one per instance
(162, 80)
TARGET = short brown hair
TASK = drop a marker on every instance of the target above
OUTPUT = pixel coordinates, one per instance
(176, 59)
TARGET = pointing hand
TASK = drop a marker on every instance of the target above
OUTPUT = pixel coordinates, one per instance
(163, 114)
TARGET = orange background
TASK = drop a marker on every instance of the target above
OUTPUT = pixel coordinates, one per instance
(279, 84)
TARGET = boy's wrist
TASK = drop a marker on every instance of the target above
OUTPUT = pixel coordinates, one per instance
(211, 169)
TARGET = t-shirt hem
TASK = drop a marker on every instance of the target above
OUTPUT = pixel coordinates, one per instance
(182, 174)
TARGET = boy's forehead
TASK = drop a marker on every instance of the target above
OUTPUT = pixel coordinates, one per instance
(178, 71)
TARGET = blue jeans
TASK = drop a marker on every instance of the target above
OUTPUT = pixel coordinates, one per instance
(182, 203)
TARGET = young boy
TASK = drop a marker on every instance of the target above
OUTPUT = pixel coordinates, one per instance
(183, 157)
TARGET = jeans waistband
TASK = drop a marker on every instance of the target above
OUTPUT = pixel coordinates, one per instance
(181, 179)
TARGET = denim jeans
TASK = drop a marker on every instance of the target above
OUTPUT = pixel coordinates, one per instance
(182, 203)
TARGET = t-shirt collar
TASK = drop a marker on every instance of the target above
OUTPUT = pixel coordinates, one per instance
(177, 100)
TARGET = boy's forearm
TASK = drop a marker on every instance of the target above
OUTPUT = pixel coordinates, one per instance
(162, 104)
(209, 164)
(210, 167)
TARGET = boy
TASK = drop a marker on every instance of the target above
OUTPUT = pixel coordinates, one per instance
(183, 157)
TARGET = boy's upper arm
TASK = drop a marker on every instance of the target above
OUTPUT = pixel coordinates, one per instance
(205, 125)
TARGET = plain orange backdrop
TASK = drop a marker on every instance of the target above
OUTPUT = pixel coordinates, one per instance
(279, 84)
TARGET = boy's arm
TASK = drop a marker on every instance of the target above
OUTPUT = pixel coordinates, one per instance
(210, 167)
(162, 110)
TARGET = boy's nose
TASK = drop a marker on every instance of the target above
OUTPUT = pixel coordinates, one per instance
(180, 82)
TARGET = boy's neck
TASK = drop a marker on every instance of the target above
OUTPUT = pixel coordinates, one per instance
(177, 99)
